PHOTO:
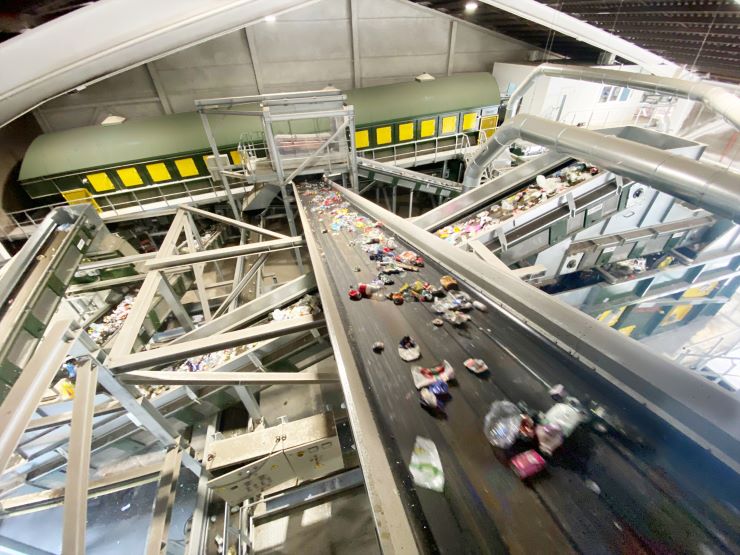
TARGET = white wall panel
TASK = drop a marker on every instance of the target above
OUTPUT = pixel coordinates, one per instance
(308, 48)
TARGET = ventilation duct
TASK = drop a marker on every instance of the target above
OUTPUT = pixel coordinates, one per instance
(713, 189)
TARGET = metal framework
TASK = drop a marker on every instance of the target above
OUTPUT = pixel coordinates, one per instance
(240, 378)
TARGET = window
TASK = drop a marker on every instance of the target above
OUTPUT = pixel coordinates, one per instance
(625, 95)
(158, 172)
(130, 177)
(615, 94)
(605, 94)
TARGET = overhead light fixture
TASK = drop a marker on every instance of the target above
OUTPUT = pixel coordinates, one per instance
(113, 120)
(424, 77)
(270, 18)
(470, 7)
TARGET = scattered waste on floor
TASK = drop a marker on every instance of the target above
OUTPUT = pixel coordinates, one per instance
(378, 347)
(426, 466)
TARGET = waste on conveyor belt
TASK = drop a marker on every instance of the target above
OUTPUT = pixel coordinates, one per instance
(543, 188)
(426, 466)
(507, 424)
(101, 331)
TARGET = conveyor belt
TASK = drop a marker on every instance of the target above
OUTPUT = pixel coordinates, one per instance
(652, 483)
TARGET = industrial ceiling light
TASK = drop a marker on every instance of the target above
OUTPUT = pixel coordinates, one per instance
(470, 7)
(113, 120)
(270, 18)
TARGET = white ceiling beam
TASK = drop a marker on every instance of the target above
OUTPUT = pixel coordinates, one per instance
(451, 47)
(580, 30)
(157, 82)
(354, 32)
(118, 36)
(252, 46)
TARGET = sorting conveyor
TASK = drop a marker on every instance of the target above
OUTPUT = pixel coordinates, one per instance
(603, 492)
(34, 282)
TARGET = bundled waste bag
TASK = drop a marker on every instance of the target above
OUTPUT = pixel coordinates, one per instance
(426, 466)
(501, 424)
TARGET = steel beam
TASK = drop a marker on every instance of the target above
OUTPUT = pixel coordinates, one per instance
(156, 543)
(126, 337)
(319, 150)
(20, 404)
(78, 466)
(227, 378)
(225, 252)
(573, 27)
(235, 223)
(159, 87)
(24, 504)
(65, 417)
(171, 298)
(172, 353)
(253, 310)
(239, 287)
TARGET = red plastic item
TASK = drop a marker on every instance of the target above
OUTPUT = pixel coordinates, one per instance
(528, 464)
(355, 295)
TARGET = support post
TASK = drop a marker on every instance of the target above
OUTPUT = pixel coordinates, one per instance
(176, 306)
(78, 466)
(156, 543)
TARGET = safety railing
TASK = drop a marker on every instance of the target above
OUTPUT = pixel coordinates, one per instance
(425, 151)
(21, 224)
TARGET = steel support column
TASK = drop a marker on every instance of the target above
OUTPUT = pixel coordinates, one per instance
(78, 466)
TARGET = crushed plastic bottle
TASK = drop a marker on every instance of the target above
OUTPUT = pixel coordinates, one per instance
(501, 424)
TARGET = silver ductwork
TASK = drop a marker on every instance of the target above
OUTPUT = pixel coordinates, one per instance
(716, 190)
(714, 96)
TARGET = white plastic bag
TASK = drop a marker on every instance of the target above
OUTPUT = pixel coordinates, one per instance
(426, 466)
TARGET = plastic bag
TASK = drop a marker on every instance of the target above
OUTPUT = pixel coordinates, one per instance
(501, 424)
(426, 466)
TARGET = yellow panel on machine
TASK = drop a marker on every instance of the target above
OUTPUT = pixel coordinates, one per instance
(80, 196)
(100, 182)
(130, 177)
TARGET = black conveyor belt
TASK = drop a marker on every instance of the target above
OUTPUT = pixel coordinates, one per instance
(601, 493)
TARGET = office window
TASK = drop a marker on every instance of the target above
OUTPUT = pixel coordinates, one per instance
(605, 94)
